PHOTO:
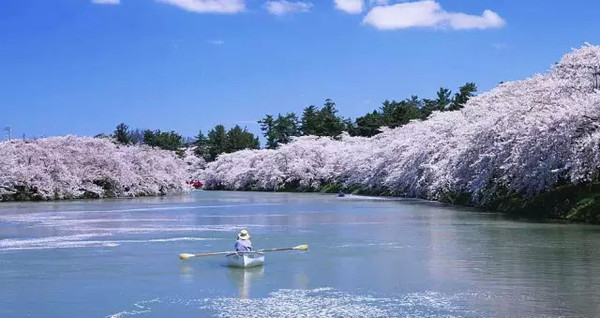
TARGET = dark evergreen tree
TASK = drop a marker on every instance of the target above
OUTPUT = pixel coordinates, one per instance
(443, 99)
(465, 92)
(429, 105)
(267, 126)
(239, 139)
(350, 127)
(368, 125)
(217, 142)
(280, 130)
(121, 134)
(395, 114)
(309, 121)
(328, 123)
(164, 140)
(286, 127)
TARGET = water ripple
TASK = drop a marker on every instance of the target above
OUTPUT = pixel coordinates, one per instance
(323, 302)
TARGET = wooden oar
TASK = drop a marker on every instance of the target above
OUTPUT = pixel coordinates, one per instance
(186, 255)
(296, 248)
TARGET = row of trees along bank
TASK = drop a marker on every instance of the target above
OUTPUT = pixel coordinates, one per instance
(325, 121)
(314, 121)
(218, 141)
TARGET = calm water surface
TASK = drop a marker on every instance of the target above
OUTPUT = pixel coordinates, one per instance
(367, 258)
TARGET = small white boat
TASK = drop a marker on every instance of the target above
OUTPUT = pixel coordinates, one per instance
(245, 259)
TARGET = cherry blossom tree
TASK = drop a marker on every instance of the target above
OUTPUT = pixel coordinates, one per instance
(82, 167)
(522, 137)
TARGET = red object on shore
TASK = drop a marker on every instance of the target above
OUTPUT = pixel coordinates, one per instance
(195, 183)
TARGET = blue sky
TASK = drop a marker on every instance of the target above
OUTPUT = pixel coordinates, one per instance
(78, 67)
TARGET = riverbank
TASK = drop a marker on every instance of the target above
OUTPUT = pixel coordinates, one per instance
(528, 147)
(573, 204)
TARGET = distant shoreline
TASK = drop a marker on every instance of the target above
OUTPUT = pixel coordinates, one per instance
(563, 205)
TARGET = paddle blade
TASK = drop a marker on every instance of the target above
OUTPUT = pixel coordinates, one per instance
(301, 247)
(186, 256)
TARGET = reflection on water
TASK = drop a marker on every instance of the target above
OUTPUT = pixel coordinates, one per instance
(186, 271)
(244, 277)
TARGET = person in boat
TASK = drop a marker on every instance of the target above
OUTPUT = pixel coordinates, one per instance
(341, 194)
(243, 243)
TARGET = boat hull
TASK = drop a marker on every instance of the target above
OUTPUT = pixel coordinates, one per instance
(245, 259)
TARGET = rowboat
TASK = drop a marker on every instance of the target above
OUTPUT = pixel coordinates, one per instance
(245, 259)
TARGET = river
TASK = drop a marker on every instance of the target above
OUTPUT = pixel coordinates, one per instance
(367, 257)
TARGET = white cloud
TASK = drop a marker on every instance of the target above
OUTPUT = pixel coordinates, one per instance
(106, 1)
(428, 14)
(217, 42)
(208, 6)
(350, 6)
(284, 7)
